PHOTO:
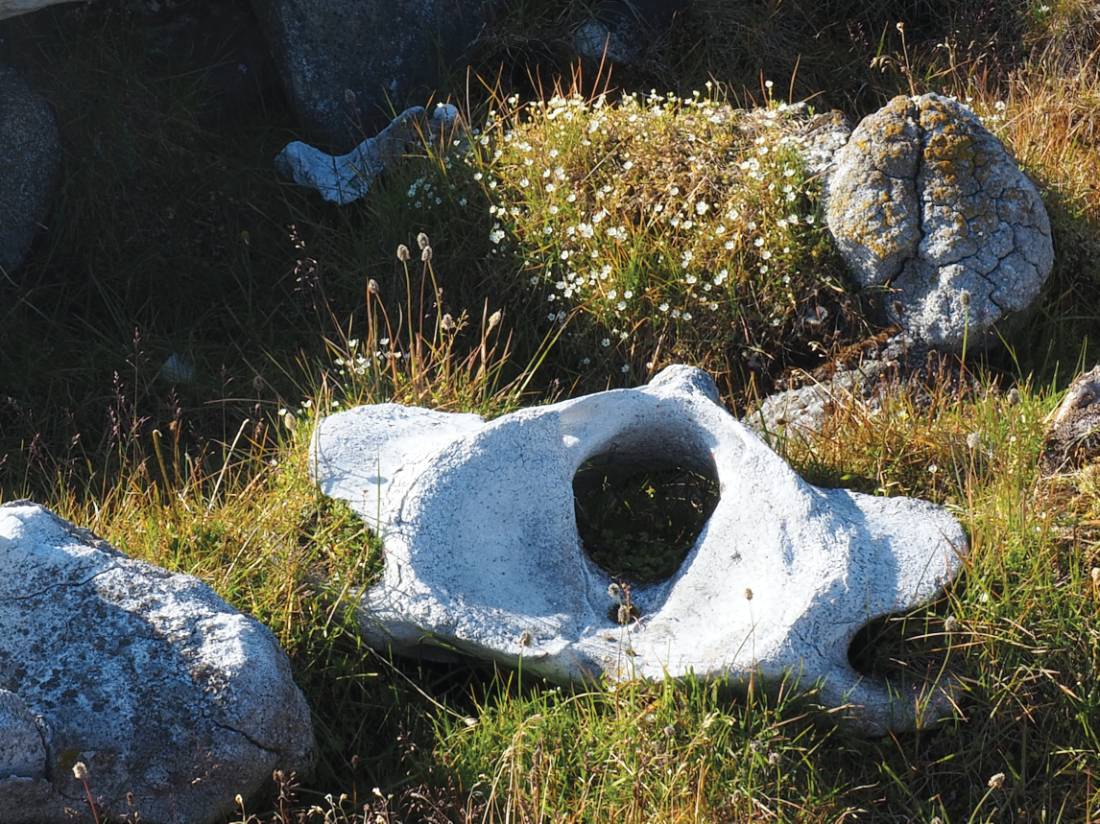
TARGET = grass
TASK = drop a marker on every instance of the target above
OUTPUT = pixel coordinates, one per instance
(639, 519)
(171, 237)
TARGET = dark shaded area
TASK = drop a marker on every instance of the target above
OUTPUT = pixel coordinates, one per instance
(900, 649)
(639, 519)
(839, 53)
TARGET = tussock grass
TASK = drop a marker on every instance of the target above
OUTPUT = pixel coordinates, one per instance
(683, 228)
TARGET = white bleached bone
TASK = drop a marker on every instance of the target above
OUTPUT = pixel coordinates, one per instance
(483, 555)
(343, 179)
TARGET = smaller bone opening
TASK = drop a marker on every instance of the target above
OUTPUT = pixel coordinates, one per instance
(901, 650)
(639, 513)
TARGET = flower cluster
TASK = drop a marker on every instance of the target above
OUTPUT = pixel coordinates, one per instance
(681, 213)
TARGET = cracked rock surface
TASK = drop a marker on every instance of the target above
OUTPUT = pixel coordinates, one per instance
(30, 159)
(483, 554)
(147, 677)
(927, 206)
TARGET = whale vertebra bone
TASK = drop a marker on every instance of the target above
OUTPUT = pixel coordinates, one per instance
(483, 555)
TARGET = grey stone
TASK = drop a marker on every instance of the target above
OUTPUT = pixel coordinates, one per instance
(30, 159)
(803, 410)
(823, 136)
(596, 41)
(386, 53)
(343, 179)
(621, 31)
(483, 555)
(148, 678)
(22, 748)
(13, 8)
(928, 208)
(177, 368)
(818, 137)
(857, 381)
(1072, 437)
(853, 377)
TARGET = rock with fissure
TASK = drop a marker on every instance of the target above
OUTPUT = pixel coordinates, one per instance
(937, 222)
(483, 554)
(148, 678)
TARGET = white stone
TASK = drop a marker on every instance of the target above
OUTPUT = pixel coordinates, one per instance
(483, 556)
(343, 179)
(153, 682)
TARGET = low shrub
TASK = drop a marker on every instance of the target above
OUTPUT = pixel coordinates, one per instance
(681, 227)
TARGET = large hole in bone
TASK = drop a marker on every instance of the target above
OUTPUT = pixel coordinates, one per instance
(638, 514)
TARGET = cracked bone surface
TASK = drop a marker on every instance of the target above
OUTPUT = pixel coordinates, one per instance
(926, 204)
(343, 179)
(483, 556)
(157, 685)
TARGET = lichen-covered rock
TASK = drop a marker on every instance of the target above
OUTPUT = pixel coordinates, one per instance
(22, 748)
(929, 208)
(148, 678)
(348, 64)
(1073, 429)
(483, 552)
(30, 158)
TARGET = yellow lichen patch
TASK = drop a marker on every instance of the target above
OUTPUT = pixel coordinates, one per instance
(892, 129)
